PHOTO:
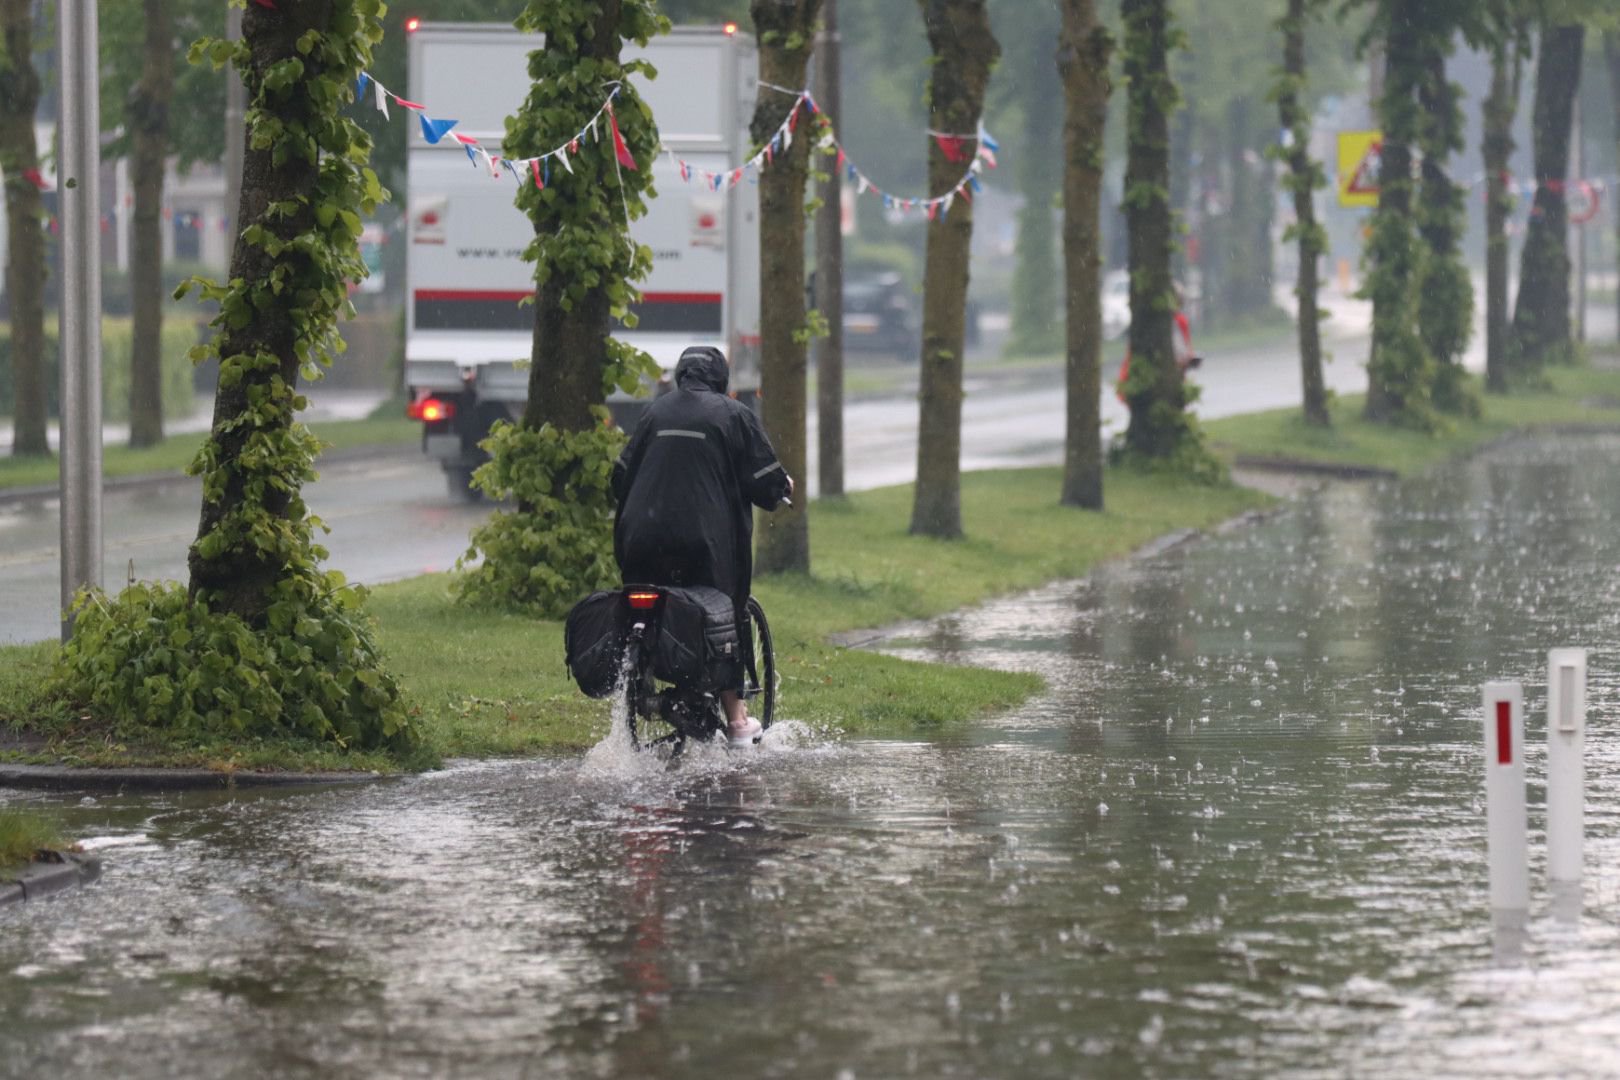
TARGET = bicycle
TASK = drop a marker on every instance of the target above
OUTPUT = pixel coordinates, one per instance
(669, 716)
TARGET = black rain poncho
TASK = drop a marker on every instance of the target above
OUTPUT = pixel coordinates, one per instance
(685, 481)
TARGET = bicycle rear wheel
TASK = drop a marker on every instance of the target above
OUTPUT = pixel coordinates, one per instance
(760, 666)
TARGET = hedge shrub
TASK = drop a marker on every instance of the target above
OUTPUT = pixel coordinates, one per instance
(117, 336)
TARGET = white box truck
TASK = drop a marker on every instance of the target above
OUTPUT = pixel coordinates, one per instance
(467, 336)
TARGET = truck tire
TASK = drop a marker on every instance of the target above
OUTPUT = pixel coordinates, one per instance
(458, 482)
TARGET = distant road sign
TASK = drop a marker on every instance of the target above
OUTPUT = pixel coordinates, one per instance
(1359, 156)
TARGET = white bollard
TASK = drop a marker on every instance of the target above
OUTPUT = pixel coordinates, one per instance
(1505, 817)
(1566, 774)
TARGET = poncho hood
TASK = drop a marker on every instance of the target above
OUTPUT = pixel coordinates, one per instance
(703, 367)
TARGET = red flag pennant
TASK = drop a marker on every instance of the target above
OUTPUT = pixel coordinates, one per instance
(407, 104)
(534, 164)
(619, 147)
(464, 140)
(951, 147)
(271, 4)
(33, 177)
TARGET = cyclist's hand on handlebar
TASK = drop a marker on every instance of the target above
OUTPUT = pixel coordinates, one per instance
(787, 499)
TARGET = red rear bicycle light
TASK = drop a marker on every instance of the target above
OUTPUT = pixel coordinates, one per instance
(412, 24)
(430, 409)
(643, 601)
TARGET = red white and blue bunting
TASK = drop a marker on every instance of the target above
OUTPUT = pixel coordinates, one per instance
(954, 147)
(537, 169)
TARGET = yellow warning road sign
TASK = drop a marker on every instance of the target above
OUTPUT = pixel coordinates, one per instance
(1359, 153)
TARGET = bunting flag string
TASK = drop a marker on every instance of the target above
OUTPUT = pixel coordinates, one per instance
(981, 154)
(953, 146)
(434, 130)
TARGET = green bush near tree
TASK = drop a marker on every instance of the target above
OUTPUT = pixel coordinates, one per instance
(179, 335)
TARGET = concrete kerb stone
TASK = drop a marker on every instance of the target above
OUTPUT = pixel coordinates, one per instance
(67, 778)
(55, 872)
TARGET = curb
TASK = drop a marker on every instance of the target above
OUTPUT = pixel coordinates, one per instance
(51, 872)
(65, 778)
(146, 481)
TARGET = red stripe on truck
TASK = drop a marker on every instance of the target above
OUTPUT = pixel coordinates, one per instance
(514, 295)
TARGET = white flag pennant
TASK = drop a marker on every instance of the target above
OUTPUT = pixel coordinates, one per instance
(946, 204)
(381, 97)
(563, 157)
(861, 184)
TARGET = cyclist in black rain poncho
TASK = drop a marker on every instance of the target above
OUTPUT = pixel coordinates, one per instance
(684, 486)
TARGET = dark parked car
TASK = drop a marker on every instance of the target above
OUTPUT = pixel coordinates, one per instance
(880, 315)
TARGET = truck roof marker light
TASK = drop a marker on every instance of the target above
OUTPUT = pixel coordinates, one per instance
(730, 28)
(413, 24)
(430, 409)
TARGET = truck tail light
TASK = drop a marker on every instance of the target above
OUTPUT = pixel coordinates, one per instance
(643, 601)
(430, 409)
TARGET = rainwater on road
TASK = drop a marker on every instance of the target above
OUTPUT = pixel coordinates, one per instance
(1241, 835)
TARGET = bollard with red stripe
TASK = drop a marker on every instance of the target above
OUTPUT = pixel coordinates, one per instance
(1505, 818)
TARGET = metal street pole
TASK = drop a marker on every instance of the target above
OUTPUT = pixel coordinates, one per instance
(79, 209)
(830, 274)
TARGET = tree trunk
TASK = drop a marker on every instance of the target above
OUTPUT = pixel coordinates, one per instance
(570, 347)
(1302, 181)
(1496, 147)
(25, 260)
(1541, 329)
(1083, 58)
(148, 118)
(1397, 371)
(1035, 288)
(1154, 390)
(964, 51)
(830, 276)
(1611, 49)
(241, 578)
(784, 29)
(1445, 298)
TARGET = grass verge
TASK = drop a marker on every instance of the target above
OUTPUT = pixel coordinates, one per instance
(491, 684)
(173, 454)
(21, 834)
(1572, 396)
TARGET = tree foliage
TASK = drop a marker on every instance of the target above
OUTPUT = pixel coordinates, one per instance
(1161, 432)
(264, 641)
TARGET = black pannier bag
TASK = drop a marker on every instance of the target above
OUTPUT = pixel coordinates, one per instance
(594, 641)
(697, 645)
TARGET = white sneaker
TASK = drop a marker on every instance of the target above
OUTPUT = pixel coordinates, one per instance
(748, 735)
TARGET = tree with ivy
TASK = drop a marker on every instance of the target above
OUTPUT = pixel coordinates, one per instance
(1509, 45)
(1085, 50)
(25, 229)
(1161, 429)
(1541, 328)
(1304, 178)
(1445, 301)
(557, 462)
(786, 31)
(1400, 371)
(263, 641)
(964, 52)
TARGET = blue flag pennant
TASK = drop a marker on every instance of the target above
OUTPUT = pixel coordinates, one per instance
(472, 155)
(434, 130)
(360, 85)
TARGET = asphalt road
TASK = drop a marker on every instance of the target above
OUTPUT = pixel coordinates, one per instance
(391, 517)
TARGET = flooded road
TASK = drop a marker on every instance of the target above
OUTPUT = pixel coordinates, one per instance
(1241, 836)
